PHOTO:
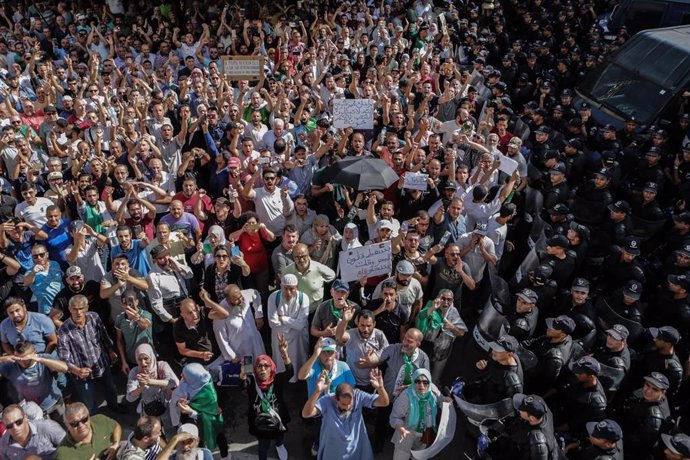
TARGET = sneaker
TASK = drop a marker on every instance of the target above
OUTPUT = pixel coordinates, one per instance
(314, 450)
(283, 453)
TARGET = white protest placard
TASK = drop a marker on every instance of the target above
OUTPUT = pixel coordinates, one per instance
(353, 113)
(508, 165)
(415, 181)
(444, 433)
(243, 67)
(371, 260)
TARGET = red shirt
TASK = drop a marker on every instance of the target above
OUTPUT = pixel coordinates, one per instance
(254, 251)
(146, 224)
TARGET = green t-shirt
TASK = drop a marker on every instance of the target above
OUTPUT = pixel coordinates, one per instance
(132, 334)
(101, 440)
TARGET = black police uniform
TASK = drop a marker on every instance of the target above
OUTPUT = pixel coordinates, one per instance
(643, 422)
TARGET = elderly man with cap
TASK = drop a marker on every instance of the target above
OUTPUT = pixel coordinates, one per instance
(605, 441)
(553, 351)
(532, 434)
(167, 288)
(288, 313)
(585, 399)
(312, 276)
(185, 445)
(330, 312)
(524, 315)
(645, 415)
(24, 438)
(501, 375)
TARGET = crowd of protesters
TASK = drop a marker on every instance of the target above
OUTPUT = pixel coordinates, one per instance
(164, 221)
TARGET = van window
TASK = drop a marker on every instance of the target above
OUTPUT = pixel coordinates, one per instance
(644, 15)
(620, 91)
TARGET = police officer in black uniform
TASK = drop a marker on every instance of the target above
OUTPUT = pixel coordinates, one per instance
(615, 352)
(577, 305)
(605, 442)
(541, 283)
(646, 415)
(524, 315)
(662, 357)
(626, 301)
(533, 433)
(553, 352)
(621, 265)
(502, 372)
(585, 399)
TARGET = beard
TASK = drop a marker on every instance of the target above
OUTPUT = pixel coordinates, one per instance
(403, 282)
(191, 455)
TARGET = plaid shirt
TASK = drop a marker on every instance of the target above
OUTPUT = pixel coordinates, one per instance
(86, 346)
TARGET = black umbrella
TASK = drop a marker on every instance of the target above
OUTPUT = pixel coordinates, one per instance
(362, 173)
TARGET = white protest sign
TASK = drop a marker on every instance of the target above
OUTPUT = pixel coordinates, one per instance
(444, 434)
(371, 260)
(243, 67)
(415, 181)
(353, 113)
(508, 165)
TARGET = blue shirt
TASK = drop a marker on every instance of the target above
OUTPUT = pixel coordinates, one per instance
(35, 383)
(341, 374)
(58, 241)
(46, 285)
(343, 435)
(37, 330)
(136, 256)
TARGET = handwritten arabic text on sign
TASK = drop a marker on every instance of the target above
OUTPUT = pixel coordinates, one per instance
(353, 113)
(415, 181)
(243, 67)
(370, 260)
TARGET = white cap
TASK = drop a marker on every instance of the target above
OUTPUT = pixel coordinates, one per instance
(289, 280)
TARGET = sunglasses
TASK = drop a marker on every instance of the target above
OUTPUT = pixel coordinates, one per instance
(39, 255)
(221, 256)
(81, 421)
(16, 423)
(421, 382)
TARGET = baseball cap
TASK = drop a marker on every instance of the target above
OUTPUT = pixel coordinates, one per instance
(633, 289)
(54, 175)
(574, 143)
(340, 285)
(605, 429)
(528, 295)
(604, 172)
(666, 333)
(73, 271)
(49, 109)
(234, 162)
(653, 151)
(481, 228)
(559, 168)
(558, 241)
(680, 280)
(67, 98)
(618, 332)
(328, 344)
(651, 187)
(585, 365)
(405, 267)
(532, 404)
(580, 284)
(561, 323)
(608, 127)
(679, 443)
(515, 142)
(620, 206)
(581, 230)
(385, 223)
(504, 343)
(683, 217)
(542, 273)
(658, 379)
(632, 246)
(559, 209)
(542, 129)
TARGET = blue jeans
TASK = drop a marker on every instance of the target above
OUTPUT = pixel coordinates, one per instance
(86, 390)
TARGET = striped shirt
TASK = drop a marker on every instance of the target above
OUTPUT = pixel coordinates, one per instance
(86, 346)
